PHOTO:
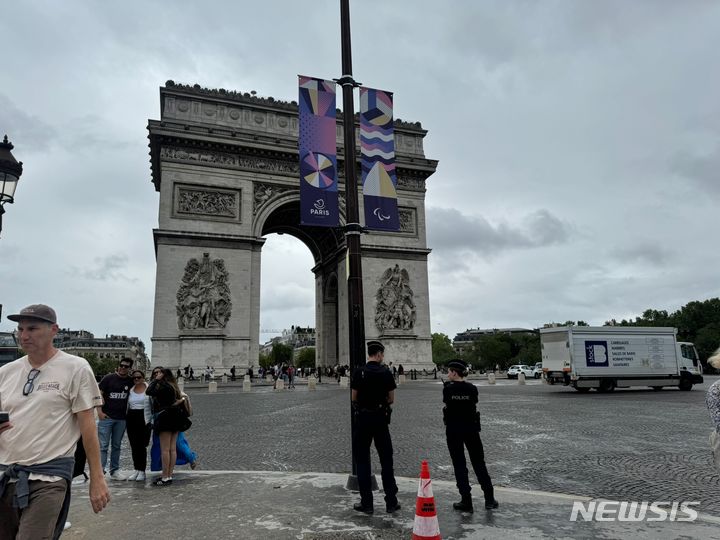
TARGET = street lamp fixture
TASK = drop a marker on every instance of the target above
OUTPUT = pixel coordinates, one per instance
(10, 172)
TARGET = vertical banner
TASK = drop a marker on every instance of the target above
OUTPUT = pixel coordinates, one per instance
(377, 146)
(317, 148)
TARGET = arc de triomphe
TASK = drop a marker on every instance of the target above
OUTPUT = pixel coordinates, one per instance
(226, 167)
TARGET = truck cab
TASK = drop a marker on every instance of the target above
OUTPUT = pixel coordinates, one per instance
(688, 358)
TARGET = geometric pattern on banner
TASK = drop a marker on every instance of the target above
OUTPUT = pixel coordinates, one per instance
(317, 151)
(377, 146)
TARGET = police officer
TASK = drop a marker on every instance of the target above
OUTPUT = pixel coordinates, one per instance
(373, 391)
(462, 429)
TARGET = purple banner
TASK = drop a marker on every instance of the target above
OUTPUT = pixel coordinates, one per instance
(377, 145)
(317, 148)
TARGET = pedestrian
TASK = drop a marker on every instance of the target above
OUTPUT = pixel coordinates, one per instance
(372, 394)
(168, 420)
(192, 374)
(232, 373)
(115, 389)
(401, 370)
(50, 397)
(291, 376)
(186, 371)
(185, 455)
(462, 430)
(178, 374)
(138, 425)
(712, 399)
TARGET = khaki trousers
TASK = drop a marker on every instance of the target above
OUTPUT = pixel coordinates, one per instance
(38, 519)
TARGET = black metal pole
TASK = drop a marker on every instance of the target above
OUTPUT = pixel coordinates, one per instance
(353, 229)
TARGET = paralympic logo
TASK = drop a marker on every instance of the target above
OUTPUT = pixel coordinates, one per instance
(634, 511)
(380, 215)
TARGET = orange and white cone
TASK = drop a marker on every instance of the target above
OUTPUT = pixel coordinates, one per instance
(426, 525)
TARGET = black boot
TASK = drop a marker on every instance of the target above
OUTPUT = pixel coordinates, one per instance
(465, 504)
(364, 508)
(491, 504)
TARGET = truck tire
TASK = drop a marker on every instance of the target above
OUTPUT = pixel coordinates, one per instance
(606, 385)
(685, 384)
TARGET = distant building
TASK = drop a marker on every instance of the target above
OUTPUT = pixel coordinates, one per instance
(83, 343)
(297, 337)
(465, 339)
(9, 350)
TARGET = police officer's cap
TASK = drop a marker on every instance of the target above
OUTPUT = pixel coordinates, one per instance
(374, 347)
(458, 365)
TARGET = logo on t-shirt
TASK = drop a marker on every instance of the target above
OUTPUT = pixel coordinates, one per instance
(48, 387)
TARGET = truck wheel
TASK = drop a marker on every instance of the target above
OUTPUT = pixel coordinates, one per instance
(550, 380)
(685, 384)
(606, 385)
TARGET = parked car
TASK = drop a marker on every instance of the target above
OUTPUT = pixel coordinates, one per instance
(516, 370)
(537, 370)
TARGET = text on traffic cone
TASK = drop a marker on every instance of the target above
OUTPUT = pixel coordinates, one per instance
(426, 525)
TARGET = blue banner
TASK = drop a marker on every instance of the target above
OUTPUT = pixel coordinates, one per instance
(317, 148)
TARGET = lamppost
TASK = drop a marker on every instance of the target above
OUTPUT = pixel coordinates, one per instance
(10, 172)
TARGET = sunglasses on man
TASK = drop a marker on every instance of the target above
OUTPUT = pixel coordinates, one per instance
(30, 383)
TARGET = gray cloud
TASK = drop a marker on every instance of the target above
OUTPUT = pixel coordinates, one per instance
(450, 230)
(652, 254)
(24, 130)
(108, 268)
(704, 169)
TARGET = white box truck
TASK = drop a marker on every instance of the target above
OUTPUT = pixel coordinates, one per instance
(607, 357)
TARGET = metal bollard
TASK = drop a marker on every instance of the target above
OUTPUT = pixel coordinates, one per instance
(212, 387)
(224, 379)
(247, 385)
(344, 382)
(402, 379)
(279, 384)
(312, 383)
(491, 378)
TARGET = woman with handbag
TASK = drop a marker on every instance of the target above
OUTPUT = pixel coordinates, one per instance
(171, 418)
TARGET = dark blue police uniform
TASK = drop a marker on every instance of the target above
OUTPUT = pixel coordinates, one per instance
(462, 429)
(373, 382)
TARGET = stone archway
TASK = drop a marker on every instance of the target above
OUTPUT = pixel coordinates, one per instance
(226, 167)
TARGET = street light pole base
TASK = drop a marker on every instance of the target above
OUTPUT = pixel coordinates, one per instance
(353, 485)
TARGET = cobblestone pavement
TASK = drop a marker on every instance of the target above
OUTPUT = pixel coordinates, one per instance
(633, 444)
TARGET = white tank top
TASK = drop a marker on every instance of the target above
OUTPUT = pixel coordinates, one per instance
(136, 401)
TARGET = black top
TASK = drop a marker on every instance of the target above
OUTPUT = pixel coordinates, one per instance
(163, 394)
(115, 391)
(460, 400)
(373, 382)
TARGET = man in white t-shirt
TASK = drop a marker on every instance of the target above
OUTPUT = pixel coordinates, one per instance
(50, 397)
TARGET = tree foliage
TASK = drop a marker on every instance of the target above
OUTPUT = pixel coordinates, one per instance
(306, 358)
(504, 350)
(442, 349)
(100, 366)
(281, 353)
(696, 321)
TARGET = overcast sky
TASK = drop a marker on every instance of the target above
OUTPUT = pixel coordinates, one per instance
(578, 141)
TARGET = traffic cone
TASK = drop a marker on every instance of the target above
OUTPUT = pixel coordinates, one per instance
(426, 525)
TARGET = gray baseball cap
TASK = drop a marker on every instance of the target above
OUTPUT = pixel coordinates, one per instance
(36, 311)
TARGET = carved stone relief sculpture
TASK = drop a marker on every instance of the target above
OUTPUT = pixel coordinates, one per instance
(263, 193)
(395, 309)
(203, 299)
(208, 202)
